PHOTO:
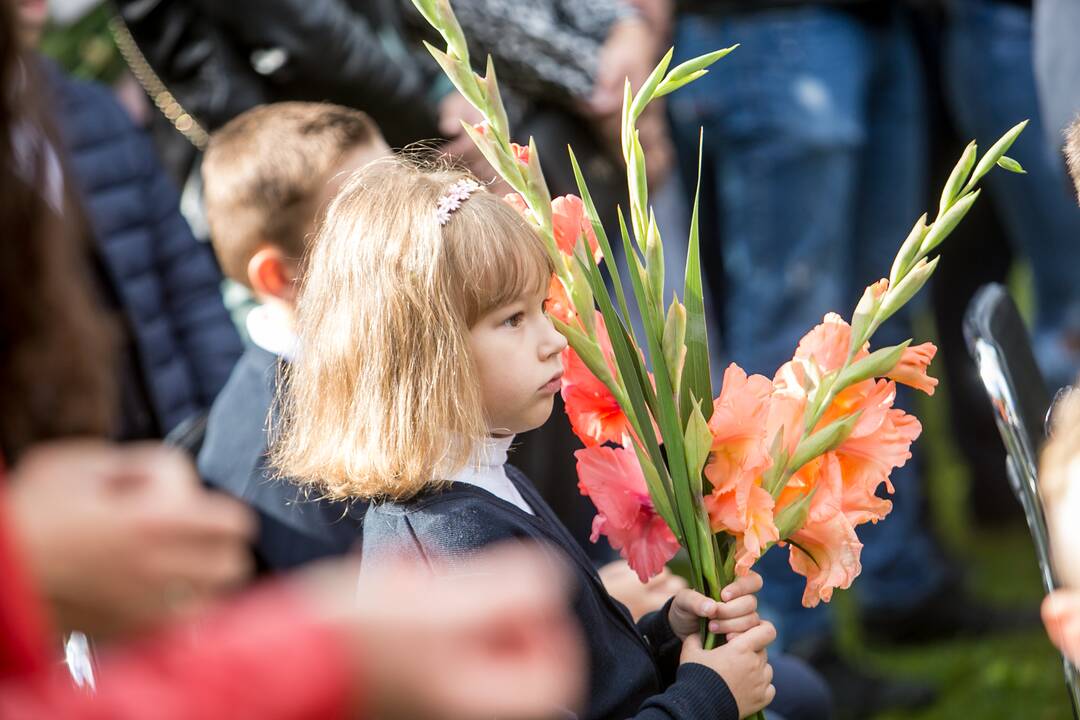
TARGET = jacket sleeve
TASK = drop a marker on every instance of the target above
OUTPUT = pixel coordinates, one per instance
(333, 53)
(697, 693)
(693, 691)
(229, 666)
(191, 284)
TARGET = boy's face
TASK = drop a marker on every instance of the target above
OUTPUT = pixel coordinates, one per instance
(517, 354)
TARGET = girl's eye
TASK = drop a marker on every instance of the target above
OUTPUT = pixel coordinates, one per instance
(515, 320)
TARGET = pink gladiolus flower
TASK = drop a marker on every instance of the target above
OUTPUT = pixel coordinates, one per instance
(569, 222)
(911, 370)
(614, 482)
(740, 454)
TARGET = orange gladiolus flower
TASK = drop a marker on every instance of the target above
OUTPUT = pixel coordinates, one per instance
(911, 370)
(740, 454)
(613, 480)
(826, 549)
(569, 222)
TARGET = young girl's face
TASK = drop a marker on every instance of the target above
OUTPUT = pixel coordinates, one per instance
(517, 354)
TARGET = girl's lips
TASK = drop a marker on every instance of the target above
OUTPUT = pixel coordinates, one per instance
(553, 385)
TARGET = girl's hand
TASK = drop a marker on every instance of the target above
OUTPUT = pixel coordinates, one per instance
(736, 614)
(743, 664)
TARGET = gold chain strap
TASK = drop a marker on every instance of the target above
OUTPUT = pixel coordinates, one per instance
(165, 101)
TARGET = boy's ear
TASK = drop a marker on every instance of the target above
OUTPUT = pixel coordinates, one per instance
(272, 274)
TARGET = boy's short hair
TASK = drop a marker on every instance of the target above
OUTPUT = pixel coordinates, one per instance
(263, 171)
(1072, 152)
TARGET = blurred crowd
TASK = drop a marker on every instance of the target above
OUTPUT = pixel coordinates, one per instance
(155, 229)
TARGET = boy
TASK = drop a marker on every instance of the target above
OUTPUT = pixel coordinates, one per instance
(268, 176)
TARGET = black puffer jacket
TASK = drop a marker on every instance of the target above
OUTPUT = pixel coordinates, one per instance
(220, 58)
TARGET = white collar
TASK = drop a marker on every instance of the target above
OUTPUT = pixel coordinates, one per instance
(486, 469)
(269, 330)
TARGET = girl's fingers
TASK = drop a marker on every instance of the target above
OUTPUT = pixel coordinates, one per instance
(734, 626)
(745, 605)
(747, 585)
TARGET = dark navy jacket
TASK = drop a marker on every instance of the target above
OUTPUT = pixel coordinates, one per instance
(293, 529)
(167, 283)
(634, 671)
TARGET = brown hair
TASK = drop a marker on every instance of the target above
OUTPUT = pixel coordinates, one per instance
(383, 399)
(56, 347)
(1072, 152)
(263, 171)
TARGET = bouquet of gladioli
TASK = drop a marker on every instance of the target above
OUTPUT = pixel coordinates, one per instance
(793, 461)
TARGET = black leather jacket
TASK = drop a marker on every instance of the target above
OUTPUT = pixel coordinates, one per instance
(221, 57)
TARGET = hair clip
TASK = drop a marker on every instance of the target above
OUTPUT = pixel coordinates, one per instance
(458, 193)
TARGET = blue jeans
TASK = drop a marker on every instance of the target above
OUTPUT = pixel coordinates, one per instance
(990, 84)
(814, 171)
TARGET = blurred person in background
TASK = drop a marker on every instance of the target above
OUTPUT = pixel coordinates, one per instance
(160, 287)
(813, 173)
(116, 540)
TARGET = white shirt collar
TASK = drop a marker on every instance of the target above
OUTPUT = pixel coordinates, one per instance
(486, 469)
(270, 331)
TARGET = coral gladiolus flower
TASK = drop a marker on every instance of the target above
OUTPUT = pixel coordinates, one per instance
(569, 222)
(595, 415)
(558, 303)
(740, 454)
(614, 482)
(911, 370)
(521, 152)
(826, 550)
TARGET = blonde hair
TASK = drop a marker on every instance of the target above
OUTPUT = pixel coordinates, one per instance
(383, 395)
(263, 171)
(1072, 152)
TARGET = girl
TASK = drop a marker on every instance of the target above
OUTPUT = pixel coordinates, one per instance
(429, 350)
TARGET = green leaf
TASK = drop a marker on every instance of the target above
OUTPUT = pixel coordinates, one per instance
(460, 75)
(538, 185)
(695, 65)
(499, 123)
(947, 223)
(791, 518)
(996, 151)
(654, 262)
(669, 87)
(645, 94)
(698, 445)
(696, 373)
(601, 238)
(862, 318)
(824, 440)
(675, 341)
(1007, 163)
(638, 183)
(659, 492)
(877, 364)
(909, 251)
(897, 297)
(500, 159)
(451, 31)
(774, 479)
(957, 177)
(428, 10)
